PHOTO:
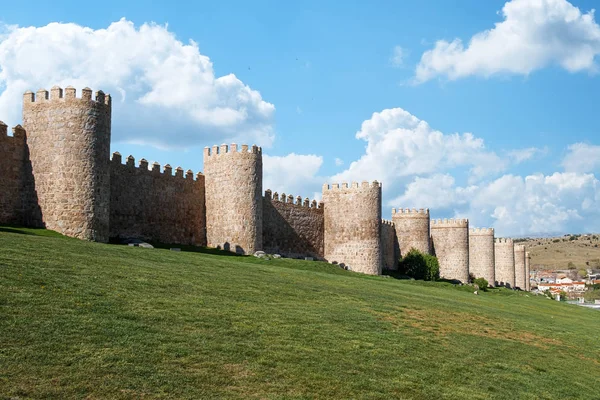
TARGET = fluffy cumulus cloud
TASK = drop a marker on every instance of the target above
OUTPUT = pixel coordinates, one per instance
(455, 175)
(534, 34)
(397, 142)
(296, 174)
(582, 157)
(165, 92)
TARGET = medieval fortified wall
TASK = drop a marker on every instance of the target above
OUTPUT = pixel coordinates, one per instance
(56, 172)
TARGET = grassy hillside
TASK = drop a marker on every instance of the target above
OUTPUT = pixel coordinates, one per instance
(557, 253)
(85, 320)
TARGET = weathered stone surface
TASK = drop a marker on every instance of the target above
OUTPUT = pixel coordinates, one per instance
(450, 242)
(482, 255)
(69, 145)
(389, 245)
(294, 229)
(505, 262)
(155, 205)
(353, 226)
(412, 229)
(520, 281)
(527, 271)
(233, 179)
(18, 200)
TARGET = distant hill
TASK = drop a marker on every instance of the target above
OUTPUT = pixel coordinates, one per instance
(564, 252)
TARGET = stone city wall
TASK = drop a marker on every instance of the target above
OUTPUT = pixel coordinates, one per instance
(154, 205)
(234, 219)
(450, 242)
(412, 229)
(505, 262)
(18, 200)
(520, 281)
(481, 254)
(292, 227)
(353, 226)
(390, 250)
(69, 145)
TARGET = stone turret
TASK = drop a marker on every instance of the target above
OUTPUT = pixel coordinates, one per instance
(69, 145)
(481, 254)
(390, 251)
(450, 242)
(353, 226)
(527, 271)
(234, 214)
(412, 229)
(505, 262)
(520, 273)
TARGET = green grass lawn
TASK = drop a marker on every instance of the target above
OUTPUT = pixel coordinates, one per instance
(83, 320)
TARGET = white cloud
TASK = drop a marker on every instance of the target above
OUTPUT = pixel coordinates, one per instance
(339, 162)
(419, 168)
(295, 174)
(521, 155)
(534, 34)
(513, 205)
(165, 92)
(582, 157)
(400, 145)
(398, 56)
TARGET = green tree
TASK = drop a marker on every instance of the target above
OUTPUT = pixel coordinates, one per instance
(420, 266)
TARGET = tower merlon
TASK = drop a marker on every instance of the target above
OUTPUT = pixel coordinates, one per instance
(69, 93)
(481, 231)
(230, 149)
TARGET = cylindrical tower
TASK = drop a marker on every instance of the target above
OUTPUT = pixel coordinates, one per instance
(450, 243)
(352, 226)
(505, 262)
(234, 215)
(520, 281)
(389, 245)
(69, 144)
(481, 254)
(412, 229)
(527, 271)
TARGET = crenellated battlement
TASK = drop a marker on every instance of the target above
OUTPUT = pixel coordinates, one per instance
(449, 223)
(387, 223)
(142, 168)
(290, 199)
(504, 241)
(224, 150)
(408, 212)
(353, 185)
(18, 133)
(68, 94)
(481, 231)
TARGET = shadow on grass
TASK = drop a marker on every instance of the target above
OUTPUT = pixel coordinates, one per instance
(181, 247)
(31, 231)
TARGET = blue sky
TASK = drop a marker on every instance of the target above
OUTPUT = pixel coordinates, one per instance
(311, 73)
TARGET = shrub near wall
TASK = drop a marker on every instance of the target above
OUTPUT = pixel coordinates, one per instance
(420, 266)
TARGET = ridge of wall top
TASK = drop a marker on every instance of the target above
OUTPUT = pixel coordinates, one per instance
(225, 149)
(143, 167)
(290, 199)
(353, 185)
(69, 93)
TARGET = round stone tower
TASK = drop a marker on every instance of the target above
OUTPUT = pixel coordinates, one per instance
(412, 229)
(450, 243)
(234, 214)
(69, 144)
(481, 254)
(520, 281)
(527, 271)
(505, 262)
(352, 218)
